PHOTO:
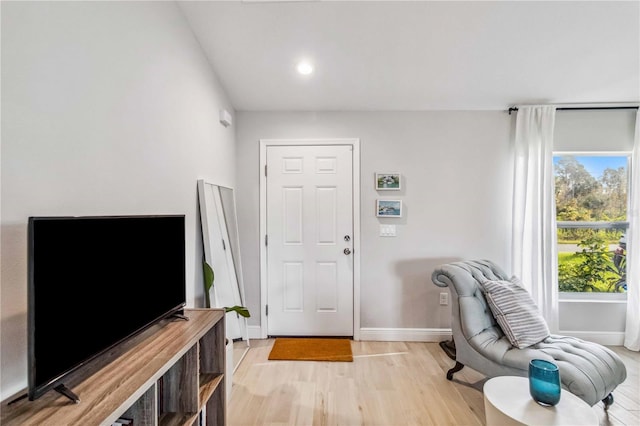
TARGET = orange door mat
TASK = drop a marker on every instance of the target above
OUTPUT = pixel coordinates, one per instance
(311, 349)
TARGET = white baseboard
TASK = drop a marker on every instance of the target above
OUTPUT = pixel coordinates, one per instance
(255, 332)
(385, 334)
(606, 338)
(405, 334)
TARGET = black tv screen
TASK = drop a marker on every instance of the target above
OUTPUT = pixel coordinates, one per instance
(93, 282)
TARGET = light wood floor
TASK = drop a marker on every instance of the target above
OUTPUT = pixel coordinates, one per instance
(388, 384)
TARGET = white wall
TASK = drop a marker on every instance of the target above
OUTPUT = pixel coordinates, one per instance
(107, 108)
(456, 192)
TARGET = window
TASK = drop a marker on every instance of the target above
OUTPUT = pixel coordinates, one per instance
(591, 212)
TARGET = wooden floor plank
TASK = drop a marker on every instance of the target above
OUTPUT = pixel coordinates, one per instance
(387, 384)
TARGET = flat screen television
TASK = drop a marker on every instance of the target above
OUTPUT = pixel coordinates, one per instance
(94, 282)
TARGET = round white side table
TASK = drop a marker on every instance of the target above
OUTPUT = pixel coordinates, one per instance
(507, 401)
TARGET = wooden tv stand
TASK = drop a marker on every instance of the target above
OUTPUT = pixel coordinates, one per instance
(166, 375)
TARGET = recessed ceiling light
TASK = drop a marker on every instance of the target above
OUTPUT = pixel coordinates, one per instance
(304, 68)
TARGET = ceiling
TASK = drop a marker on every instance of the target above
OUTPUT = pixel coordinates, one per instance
(420, 55)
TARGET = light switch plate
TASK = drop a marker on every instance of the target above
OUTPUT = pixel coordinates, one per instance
(387, 230)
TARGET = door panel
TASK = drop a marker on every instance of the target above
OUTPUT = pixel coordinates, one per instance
(309, 213)
(327, 293)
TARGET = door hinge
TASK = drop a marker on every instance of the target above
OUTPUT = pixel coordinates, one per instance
(224, 246)
(266, 310)
(266, 240)
(265, 170)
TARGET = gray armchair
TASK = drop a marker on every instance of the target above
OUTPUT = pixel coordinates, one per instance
(588, 370)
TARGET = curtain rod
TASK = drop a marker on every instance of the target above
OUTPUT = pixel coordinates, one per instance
(512, 109)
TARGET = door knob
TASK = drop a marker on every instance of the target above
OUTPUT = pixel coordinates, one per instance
(346, 251)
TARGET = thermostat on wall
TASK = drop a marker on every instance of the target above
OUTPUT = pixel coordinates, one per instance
(225, 118)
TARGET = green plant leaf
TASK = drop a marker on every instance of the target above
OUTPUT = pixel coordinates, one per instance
(240, 310)
(209, 276)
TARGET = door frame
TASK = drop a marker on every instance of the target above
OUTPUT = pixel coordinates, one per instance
(355, 145)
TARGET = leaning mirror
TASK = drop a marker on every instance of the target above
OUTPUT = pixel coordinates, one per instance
(222, 252)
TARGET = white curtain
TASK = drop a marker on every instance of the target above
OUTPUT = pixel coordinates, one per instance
(534, 248)
(632, 329)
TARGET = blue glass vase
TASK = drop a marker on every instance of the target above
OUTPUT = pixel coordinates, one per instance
(544, 382)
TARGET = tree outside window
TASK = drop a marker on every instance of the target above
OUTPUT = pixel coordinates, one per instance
(591, 212)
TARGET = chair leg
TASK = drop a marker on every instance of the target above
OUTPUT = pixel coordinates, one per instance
(455, 369)
(608, 401)
(449, 348)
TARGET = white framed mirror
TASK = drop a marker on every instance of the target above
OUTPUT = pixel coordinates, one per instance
(222, 252)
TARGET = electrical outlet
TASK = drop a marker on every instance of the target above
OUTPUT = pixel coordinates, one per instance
(444, 298)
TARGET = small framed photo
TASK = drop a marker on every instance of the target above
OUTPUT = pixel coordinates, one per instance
(389, 208)
(388, 181)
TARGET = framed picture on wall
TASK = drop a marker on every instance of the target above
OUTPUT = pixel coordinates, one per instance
(388, 181)
(389, 208)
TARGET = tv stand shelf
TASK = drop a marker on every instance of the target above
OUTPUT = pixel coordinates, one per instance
(168, 375)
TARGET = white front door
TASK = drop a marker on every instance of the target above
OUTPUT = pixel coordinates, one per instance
(309, 224)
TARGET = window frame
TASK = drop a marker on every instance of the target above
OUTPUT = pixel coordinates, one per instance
(609, 297)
